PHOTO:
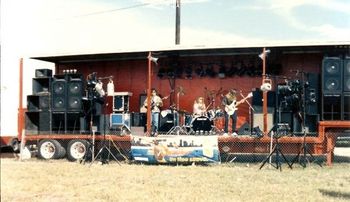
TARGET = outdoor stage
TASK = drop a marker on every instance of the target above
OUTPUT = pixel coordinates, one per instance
(322, 144)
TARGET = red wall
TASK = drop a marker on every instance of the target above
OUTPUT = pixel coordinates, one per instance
(131, 75)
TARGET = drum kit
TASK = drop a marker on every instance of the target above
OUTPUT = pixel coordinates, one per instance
(185, 123)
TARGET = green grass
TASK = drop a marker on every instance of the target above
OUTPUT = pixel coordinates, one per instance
(59, 180)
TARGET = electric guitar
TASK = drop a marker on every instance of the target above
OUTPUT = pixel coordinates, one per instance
(231, 108)
(144, 107)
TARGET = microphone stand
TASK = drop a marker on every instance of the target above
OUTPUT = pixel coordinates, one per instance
(251, 113)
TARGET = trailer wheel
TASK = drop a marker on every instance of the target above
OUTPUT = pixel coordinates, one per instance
(49, 149)
(15, 145)
(77, 149)
(62, 152)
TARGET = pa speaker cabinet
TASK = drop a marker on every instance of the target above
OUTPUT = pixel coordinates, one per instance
(37, 122)
(346, 81)
(332, 107)
(59, 95)
(346, 106)
(257, 101)
(41, 85)
(43, 73)
(312, 94)
(73, 122)
(332, 70)
(258, 120)
(38, 102)
(75, 91)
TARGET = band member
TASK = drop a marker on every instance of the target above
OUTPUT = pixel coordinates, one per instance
(230, 103)
(156, 104)
(199, 108)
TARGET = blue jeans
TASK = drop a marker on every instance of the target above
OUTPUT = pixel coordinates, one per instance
(155, 121)
(234, 121)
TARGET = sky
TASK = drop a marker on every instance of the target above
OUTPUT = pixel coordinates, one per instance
(59, 27)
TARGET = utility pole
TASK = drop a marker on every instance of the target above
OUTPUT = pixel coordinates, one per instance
(177, 23)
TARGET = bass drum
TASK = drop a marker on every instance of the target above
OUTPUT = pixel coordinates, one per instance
(202, 123)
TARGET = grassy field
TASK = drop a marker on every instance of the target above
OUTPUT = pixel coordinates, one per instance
(60, 180)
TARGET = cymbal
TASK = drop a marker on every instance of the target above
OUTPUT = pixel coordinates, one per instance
(180, 111)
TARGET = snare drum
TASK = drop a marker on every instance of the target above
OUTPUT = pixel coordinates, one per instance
(201, 123)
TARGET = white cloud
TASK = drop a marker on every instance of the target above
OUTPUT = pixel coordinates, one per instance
(284, 9)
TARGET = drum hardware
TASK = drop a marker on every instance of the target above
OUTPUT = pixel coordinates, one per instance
(177, 128)
(201, 124)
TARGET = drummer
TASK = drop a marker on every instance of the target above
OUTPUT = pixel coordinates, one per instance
(199, 108)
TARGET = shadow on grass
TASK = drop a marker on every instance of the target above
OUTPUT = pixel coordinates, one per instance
(335, 194)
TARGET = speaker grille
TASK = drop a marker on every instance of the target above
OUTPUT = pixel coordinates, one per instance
(331, 84)
(59, 95)
(332, 75)
(74, 95)
(346, 86)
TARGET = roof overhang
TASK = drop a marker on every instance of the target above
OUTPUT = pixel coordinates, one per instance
(181, 51)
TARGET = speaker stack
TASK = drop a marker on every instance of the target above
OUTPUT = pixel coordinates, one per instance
(67, 107)
(336, 88)
(38, 117)
(257, 103)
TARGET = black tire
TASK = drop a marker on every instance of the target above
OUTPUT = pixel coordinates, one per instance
(77, 149)
(62, 152)
(15, 144)
(49, 149)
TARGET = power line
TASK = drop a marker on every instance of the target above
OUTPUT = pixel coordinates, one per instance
(110, 11)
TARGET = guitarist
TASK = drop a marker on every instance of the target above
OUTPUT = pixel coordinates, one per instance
(156, 104)
(230, 99)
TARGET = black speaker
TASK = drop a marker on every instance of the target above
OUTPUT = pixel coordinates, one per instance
(59, 92)
(244, 129)
(38, 103)
(58, 122)
(136, 119)
(73, 122)
(332, 75)
(332, 107)
(285, 117)
(74, 95)
(312, 94)
(41, 86)
(311, 124)
(37, 122)
(346, 81)
(257, 101)
(43, 73)
(346, 106)
(166, 122)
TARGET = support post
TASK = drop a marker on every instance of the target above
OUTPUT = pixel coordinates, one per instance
(20, 118)
(149, 127)
(265, 92)
(177, 23)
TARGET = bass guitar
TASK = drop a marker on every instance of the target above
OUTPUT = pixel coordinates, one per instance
(231, 108)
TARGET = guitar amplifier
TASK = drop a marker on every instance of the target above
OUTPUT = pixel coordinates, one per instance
(120, 120)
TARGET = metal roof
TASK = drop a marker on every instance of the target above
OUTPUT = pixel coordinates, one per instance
(183, 51)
